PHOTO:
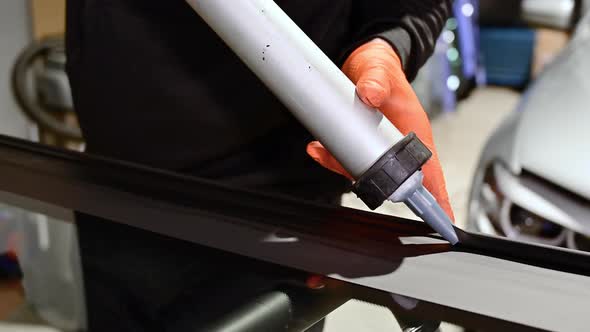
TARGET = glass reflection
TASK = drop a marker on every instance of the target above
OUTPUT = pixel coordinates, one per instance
(47, 289)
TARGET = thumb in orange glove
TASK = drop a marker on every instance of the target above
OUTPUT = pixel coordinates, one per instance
(381, 83)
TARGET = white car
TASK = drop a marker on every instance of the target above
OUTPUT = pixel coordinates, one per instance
(533, 179)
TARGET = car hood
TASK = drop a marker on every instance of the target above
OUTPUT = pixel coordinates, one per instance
(553, 134)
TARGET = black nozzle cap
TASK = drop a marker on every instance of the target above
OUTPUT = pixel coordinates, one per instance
(380, 181)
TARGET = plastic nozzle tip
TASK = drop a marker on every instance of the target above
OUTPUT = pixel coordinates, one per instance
(451, 236)
(425, 206)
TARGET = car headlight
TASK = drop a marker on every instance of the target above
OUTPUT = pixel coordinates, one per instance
(506, 205)
(520, 223)
(578, 241)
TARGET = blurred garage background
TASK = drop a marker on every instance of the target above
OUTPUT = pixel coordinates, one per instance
(504, 92)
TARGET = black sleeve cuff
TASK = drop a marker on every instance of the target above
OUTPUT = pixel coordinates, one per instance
(401, 42)
(398, 38)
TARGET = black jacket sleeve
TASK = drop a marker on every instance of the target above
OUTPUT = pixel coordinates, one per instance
(410, 26)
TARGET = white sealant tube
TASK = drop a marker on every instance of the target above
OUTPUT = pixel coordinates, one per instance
(316, 92)
(312, 87)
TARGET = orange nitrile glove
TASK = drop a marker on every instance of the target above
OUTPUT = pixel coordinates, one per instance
(380, 81)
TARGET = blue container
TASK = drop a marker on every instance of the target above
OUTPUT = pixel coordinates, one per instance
(507, 55)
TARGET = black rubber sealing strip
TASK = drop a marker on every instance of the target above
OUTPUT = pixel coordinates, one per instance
(548, 257)
(363, 232)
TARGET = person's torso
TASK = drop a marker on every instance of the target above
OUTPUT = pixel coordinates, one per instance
(153, 84)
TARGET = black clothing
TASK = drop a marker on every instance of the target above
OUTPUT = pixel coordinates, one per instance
(153, 84)
(137, 281)
(161, 284)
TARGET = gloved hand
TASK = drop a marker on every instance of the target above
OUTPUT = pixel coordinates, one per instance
(381, 83)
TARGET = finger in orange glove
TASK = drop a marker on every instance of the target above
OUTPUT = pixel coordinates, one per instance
(381, 83)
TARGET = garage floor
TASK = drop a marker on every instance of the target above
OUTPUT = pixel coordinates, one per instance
(460, 137)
